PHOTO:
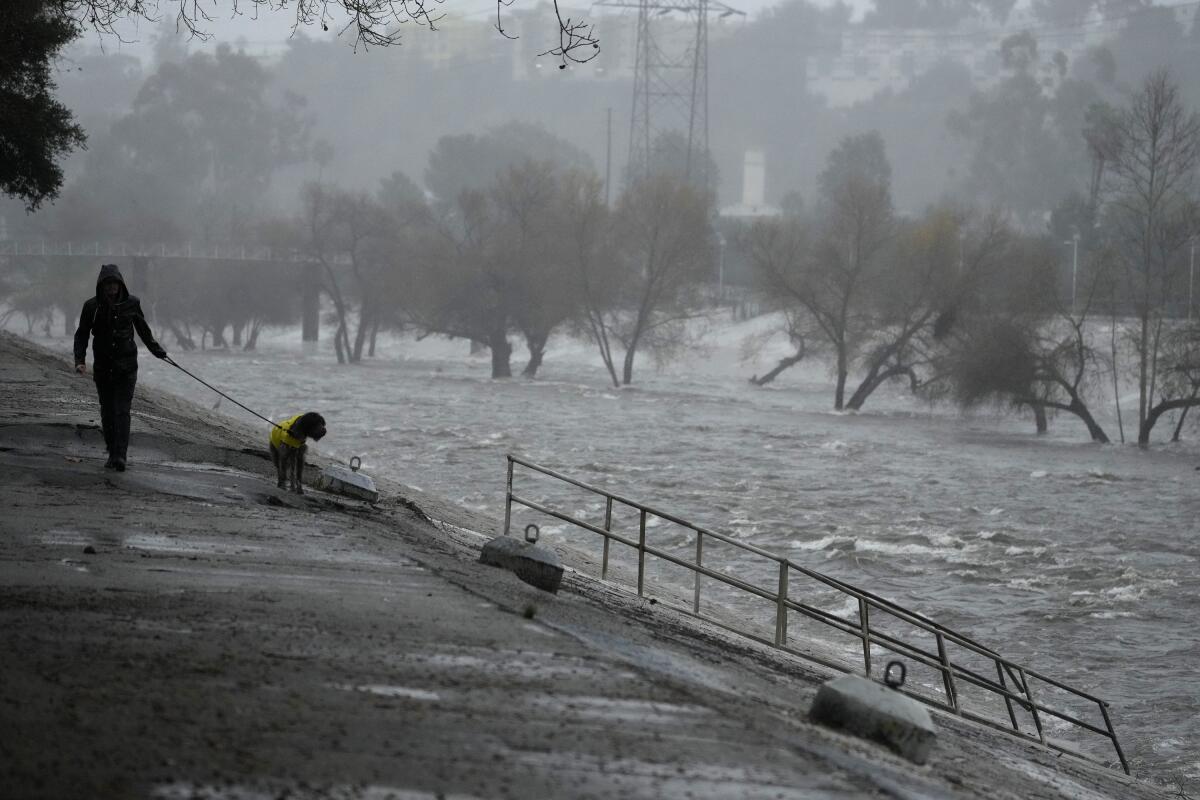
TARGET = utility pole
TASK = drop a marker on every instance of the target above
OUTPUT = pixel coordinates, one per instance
(1074, 242)
(608, 159)
(1191, 279)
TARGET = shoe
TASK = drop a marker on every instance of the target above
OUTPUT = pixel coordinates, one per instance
(111, 463)
(119, 464)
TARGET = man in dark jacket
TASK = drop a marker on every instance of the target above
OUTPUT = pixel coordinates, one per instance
(111, 318)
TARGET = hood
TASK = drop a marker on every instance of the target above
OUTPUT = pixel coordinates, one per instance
(112, 271)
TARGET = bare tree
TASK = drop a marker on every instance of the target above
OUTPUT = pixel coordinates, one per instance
(1151, 217)
(500, 263)
(663, 234)
(351, 237)
(459, 289)
(528, 247)
(586, 233)
(828, 268)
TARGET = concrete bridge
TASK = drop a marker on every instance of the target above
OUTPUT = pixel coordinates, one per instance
(138, 258)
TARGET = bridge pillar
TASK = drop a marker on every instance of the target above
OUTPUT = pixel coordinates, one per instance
(139, 276)
(140, 283)
(310, 304)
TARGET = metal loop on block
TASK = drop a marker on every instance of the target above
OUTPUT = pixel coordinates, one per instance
(531, 533)
(889, 679)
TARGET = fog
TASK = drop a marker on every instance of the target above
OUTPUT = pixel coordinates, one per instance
(787, 80)
(912, 215)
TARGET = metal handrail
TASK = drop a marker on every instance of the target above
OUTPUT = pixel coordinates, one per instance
(1020, 696)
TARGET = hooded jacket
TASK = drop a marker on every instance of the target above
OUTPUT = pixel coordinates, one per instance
(111, 326)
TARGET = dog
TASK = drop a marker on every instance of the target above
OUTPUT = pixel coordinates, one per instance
(288, 446)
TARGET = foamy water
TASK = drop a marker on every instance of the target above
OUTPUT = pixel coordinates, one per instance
(1079, 560)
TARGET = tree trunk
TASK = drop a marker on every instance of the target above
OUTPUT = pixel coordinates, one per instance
(181, 337)
(252, 340)
(537, 349)
(783, 364)
(360, 336)
(1094, 430)
(1158, 410)
(501, 352)
(374, 334)
(839, 392)
(237, 334)
(627, 368)
(1039, 419)
(1183, 415)
(339, 338)
(1143, 379)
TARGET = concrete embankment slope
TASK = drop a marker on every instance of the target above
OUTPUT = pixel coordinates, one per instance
(185, 630)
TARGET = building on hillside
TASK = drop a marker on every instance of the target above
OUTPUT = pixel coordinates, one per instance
(871, 60)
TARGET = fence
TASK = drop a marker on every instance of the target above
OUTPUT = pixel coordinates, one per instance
(956, 673)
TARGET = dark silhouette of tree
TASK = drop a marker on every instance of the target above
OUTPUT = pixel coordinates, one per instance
(36, 131)
(192, 159)
(1026, 348)
(473, 161)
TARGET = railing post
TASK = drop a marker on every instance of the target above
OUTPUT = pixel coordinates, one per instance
(508, 498)
(1007, 700)
(1037, 720)
(864, 627)
(947, 675)
(641, 552)
(607, 541)
(699, 563)
(1113, 735)
(781, 605)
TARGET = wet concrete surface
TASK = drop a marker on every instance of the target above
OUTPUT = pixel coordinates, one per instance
(186, 630)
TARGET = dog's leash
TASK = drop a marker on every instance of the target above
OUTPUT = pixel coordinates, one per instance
(171, 361)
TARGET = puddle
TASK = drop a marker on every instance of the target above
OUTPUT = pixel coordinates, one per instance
(181, 790)
(606, 708)
(518, 665)
(201, 466)
(384, 690)
(65, 536)
(172, 544)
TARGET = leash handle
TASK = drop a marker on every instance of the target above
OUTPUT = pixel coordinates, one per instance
(171, 361)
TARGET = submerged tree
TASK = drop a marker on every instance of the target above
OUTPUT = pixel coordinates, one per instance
(829, 270)
(1151, 216)
(1027, 348)
(663, 236)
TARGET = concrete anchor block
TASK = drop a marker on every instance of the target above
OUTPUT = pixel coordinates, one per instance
(873, 711)
(350, 482)
(536, 565)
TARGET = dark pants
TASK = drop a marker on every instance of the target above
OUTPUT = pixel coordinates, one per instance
(116, 396)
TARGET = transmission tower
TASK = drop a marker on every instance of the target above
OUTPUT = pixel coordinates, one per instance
(670, 81)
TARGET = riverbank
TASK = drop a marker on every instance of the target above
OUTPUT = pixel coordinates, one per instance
(186, 630)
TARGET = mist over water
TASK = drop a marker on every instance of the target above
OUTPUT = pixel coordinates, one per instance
(1075, 559)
